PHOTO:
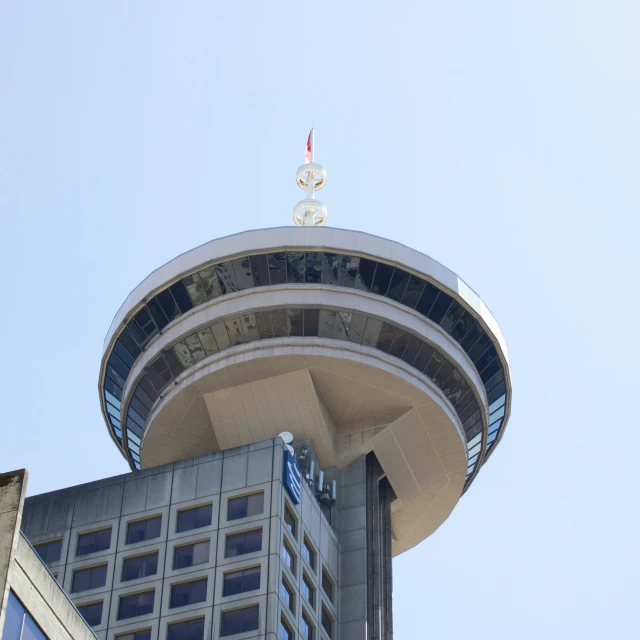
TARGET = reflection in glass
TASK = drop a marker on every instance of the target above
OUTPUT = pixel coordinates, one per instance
(277, 268)
(280, 323)
(210, 283)
(385, 337)
(326, 323)
(193, 342)
(207, 341)
(295, 266)
(398, 284)
(184, 355)
(330, 268)
(260, 269)
(180, 295)
(249, 328)
(195, 289)
(242, 270)
(371, 332)
(348, 271)
(219, 330)
(366, 273)
(382, 279)
(226, 277)
(295, 322)
(313, 267)
(263, 323)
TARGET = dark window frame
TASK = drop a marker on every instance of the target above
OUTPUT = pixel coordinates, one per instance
(143, 557)
(195, 510)
(242, 505)
(146, 522)
(228, 576)
(236, 535)
(191, 589)
(84, 535)
(228, 612)
(96, 573)
(46, 546)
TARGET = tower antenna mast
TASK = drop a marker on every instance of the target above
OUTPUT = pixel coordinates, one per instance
(311, 177)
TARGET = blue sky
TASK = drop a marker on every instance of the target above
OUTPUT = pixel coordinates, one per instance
(501, 138)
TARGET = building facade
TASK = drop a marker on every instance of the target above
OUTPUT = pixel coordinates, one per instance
(385, 371)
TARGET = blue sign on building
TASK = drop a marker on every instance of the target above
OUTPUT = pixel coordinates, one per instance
(292, 477)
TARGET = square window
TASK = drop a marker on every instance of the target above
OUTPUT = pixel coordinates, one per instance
(327, 622)
(309, 553)
(239, 621)
(327, 584)
(188, 593)
(190, 630)
(288, 557)
(49, 551)
(245, 506)
(89, 578)
(93, 542)
(140, 566)
(286, 593)
(195, 518)
(308, 591)
(92, 613)
(144, 529)
(190, 555)
(143, 634)
(137, 604)
(285, 632)
(238, 544)
(290, 520)
(241, 581)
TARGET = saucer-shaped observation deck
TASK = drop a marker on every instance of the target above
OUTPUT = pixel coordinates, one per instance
(349, 340)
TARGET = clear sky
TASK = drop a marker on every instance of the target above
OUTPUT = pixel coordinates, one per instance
(501, 138)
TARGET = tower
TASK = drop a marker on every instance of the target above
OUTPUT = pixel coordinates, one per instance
(297, 405)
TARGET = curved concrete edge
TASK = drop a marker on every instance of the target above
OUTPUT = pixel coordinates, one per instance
(423, 452)
(300, 296)
(320, 238)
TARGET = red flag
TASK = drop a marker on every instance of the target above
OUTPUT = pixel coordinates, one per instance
(308, 156)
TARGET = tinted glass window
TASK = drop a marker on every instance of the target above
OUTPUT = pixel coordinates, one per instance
(210, 282)
(226, 277)
(306, 627)
(241, 543)
(140, 566)
(327, 585)
(245, 506)
(288, 558)
(138, 604)
(94, 541)
(295, 266)
(277, 268)
(49, 551)
(327, 622)
(330, 268)
(18, 622)
(385, 338)
(295, 322)
(308, 591)
(313, 267)
(290, 521)
(260, 268)
(382, 279)
(91, 578)
(285, 632)
(195, 289)
(188, 593)
(244, 275)
(189, 555)
(348, 271)
(241, 581)
(92, 613)
(194, 518)
(286, 593)
(143, 530)
(311, 319)
(309, 554)
(366, 273)
(191, 630)
(398, 284)
(239, 621)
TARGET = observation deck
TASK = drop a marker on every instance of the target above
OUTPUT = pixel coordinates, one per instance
(355, 342)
